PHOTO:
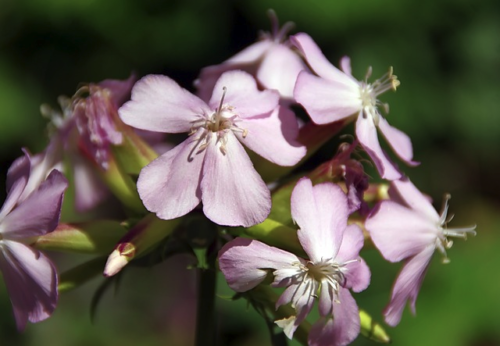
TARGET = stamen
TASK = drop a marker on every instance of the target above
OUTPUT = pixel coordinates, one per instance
(218, 110)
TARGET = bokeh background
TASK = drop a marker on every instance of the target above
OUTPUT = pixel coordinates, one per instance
(446, 54)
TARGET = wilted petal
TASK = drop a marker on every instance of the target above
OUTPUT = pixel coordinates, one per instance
(407, 286)
(321, 213)
(120, 89)
(242, 94)
(39, 212)
(325, 101)
(246, 262)
(274, 137)
(31, 281)
(398, 140)
(160, 104)
(233, 193)
(366, 132)
(279, 69)
(357, 274)
(169, 185)
(340, 330)
(399, 232)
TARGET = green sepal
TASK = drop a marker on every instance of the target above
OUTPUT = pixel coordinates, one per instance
(372, 329)
(80, 274)
(133, 154)
(93, 237)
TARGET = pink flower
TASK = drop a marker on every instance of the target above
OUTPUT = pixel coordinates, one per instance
(333, 267)
(407, 227)
(333, 95)
(30, 277)
(271, 61)
(211, 165)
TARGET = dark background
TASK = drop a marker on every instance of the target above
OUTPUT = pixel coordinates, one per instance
(447, 56)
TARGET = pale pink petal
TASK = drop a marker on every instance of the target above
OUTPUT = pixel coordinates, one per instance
(340, 330)
(31, 281)
(246, 262)
(169, 185)
(160, 104)
(233, 193)
(326, 298)
(345, 65)
(252, 53)
(407, 286)
(274, 137)
(39, 212)
(399, 232)
(405, 191)
(398, 140)
(321, 213)
(17, 179)
(357, 274)
(242, 94)
(279, 69)
(89, 189)
(325, 101)
(301, 295)
(319, 63)
(366, 132)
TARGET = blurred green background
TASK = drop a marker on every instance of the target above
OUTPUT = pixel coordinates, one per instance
(446, 54)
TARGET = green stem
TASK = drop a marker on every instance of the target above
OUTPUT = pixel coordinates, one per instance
(205, 319)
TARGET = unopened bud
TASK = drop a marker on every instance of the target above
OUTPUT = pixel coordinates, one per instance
(119, 258)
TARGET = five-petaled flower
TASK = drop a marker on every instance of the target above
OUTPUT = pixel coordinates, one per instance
(211, 165)
(332, 268)
(334, 95)
(408, 227)
(29, 211)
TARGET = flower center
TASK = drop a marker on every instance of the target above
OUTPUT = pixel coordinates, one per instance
(368, 93)
(217, 125)
(442, 241)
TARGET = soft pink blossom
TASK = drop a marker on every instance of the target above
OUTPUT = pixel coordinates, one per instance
(30, 276)
(333, 95)
(332, 268)
(407, 227)
(211, 165)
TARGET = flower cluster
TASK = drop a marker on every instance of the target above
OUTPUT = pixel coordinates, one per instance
(223, 183)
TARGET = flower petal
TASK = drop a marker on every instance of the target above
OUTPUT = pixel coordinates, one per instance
(399, 232)
(246, 60)
(407, 286)
(17, 179)
(399, 142)
(233, 193)
(340, 330)
(169, 185)
(159, 104)
(319, 63)
(405, 191)
(325, 101)
(242, 94)
(357, 274)
(274, 137)
(321, 213)
(279, 69)
(39, 213)
(31, 281)
(366, 132)
(245, 262)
